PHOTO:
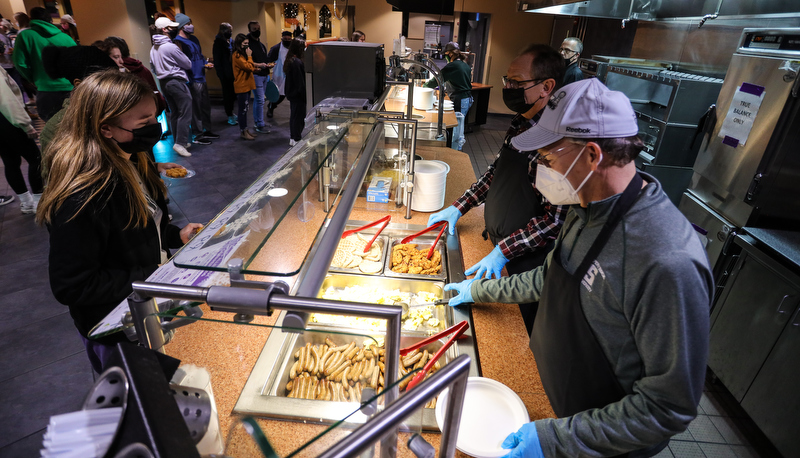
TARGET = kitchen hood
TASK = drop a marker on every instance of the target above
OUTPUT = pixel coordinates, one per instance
(659, 9)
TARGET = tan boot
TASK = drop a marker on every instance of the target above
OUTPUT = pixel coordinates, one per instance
(246, 135)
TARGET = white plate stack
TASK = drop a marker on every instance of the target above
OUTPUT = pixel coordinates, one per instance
(430, 181)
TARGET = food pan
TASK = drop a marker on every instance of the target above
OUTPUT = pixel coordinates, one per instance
(382, 290)
(423, 243)
(288, 370)
(382, 242)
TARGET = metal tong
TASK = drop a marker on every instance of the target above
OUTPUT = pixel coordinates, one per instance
(385, 220)
(456, 330)
(442, 224)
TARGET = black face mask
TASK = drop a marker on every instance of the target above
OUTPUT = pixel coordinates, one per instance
(144, 138)
(255, 33)
(567, 62)
(286, 43)
(227, 35)
(172, 33)
(515, 100)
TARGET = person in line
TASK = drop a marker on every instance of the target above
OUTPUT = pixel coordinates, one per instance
(19, 142)
(243, 81)
(223, 65)
(457, 77)
(5, 41)
(277, 55)
(621, 339)
(70, 27)
(170, 66)
(201, 104)
(23, 21)
(28, 61)
(73, 64)
(104, 202)
(571, 49)
(359, 36)
(134, 66)
(520, 221)
(261, 76)
(295, 89)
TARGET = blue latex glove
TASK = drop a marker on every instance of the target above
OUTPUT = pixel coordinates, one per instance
(492, 264)
(524, 443)
(449, 214)
(464, 290)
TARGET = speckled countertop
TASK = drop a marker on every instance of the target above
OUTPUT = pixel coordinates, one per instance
(229, 351)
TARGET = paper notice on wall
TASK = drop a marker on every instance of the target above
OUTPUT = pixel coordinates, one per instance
(742, 114)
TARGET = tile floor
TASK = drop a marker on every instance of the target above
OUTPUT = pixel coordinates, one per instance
(44, 370)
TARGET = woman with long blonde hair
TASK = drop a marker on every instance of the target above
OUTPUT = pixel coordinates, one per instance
(104, 202)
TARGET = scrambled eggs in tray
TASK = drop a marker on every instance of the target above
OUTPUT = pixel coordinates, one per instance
(425, 318)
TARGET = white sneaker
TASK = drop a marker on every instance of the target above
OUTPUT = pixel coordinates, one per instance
(292, 142)
(181, 150)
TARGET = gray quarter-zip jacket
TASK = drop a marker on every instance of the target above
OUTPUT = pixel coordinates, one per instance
(647, 299)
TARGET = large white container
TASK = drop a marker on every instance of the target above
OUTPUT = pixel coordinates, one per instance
(423, 98)
(430, 181)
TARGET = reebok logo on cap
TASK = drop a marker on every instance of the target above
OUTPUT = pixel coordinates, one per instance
(578, 130)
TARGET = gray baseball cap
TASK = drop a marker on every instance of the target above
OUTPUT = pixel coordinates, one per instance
(583, 109)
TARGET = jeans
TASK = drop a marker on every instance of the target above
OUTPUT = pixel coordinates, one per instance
(258, 100)
(179, 99)
(243, 100)
(15, 146)
(49, 102)
(461, 106)
(201, 108)
(98, 353)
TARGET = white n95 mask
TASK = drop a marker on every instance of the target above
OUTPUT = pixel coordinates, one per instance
(556, 188)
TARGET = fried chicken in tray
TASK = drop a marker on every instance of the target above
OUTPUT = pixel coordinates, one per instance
(407, 259)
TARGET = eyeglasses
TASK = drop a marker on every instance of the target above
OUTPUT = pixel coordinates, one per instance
(546, 159)
(514, 84)
(568, 51)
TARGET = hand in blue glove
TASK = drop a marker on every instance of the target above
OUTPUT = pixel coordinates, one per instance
(524, 443)
(464, 290)
(492, 264)
(449, 214)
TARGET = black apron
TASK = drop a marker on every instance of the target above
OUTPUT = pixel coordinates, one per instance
(574, 370)
(511, 201)
(510, 204)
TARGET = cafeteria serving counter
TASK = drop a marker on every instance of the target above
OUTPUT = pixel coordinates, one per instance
(278, 239)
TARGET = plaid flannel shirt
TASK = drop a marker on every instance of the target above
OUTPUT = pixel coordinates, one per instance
(539, 230)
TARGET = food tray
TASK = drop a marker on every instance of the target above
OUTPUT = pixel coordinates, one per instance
(382, 241)
(319, 338)
(423, 243)
(342, 281)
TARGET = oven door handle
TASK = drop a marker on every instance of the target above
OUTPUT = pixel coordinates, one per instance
(704, 126)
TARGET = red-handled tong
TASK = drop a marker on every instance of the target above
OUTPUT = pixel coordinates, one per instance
(456, 330)
(442, 224)
(385, 220)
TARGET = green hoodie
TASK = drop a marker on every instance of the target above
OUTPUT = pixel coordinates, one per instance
(28, 54)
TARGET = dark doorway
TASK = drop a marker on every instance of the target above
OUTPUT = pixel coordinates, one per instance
(473, 33)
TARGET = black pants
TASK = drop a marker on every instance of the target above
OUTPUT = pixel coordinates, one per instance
(228, 96)
(15, 146)
(49, 102)
(272, 106)
(522, 264)
(297, 117)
